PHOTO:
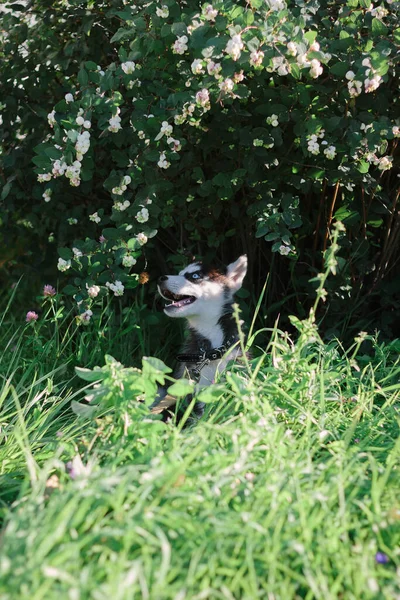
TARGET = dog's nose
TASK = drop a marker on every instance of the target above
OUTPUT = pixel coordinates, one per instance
(162, 278)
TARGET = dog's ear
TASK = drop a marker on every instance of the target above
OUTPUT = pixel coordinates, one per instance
(236, 272)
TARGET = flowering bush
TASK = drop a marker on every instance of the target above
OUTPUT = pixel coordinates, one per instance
(210, 121)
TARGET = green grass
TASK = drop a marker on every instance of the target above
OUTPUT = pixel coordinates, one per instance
(286, 489)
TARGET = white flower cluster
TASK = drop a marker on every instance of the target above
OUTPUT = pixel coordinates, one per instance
(162, 12)
(82, 122)
(119, 190)
(51, 118)
(197, 66)
(42, 177)
(384, 163)
(84, 318)
(330, 152)
(82, 144)
(213, 68)
(280, 65)
(292, 49)
(354, 86)
(203, 98)
(63, 265)
(128, 260)
(315, 68)
(273, 120)
(47, 195)
(396, 131)
(77, 253)
(372, 81)
(121, 206)
(312, 141)
(226, 85)
(166, 129)
(59, 168)
(73, 173)
(234, 47)
(180, 45)
(115, 122)
(142, 216)
(117, 287)
(256, 58)
(174, 144)
(163, 163)
(209, 13)
(93, 290)
(128, 67)
(276, 4)
(379, 12)
(94, 218)
(141, 238)
(69, 98)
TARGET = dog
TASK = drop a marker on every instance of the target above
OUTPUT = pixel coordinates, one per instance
(204, 296)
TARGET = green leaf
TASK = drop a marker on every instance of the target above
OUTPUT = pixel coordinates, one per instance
(378, 28)
(83, 78)
(363, 166)
(83, 410)
(89, 374)
(181, 388)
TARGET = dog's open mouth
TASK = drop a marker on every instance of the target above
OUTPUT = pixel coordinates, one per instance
(177, 300)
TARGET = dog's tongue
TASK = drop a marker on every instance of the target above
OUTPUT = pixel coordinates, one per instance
(180, 303)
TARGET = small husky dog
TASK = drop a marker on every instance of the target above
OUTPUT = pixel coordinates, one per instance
(204, 297)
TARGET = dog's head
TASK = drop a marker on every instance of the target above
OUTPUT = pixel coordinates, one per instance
(201, 291)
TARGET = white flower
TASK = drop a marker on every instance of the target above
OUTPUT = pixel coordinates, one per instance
(396, 131)
(213, 68)
(117, 287)
(143, 215)
(95, 218)
(209, 12)
(197, 66)
(284, 250)
(79, 121)
(175, 145)
(162, 12)
(128, 261)
(302, 60)
(166, 129)
(273, 120)
(121, 206)
(77, 252)
(163, 164)
(276, 4)
(292, 49)
(330, 152)
(59, 168)
(313, 145)
(141, 238)
(234, 47)
(126, 180)
(93, 290)
(87, 124)
(44, 177)
(280, 65)
(355, 88)
(350, 75)
(226, 85)
(47, 195)
(385, 163)
(115, 123)
(203, 97)
(315, 68)
(314, 47)
(372, 84)
(69, 98)
(51, 118)
(256, 58)
(379, 12)
(63, 265)
(128, 67)
(86, 316)
(82, 144)
(180, 45)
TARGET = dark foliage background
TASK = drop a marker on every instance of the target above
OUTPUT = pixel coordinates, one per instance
(239, 183)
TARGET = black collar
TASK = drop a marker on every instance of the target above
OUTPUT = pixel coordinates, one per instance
(213, 354)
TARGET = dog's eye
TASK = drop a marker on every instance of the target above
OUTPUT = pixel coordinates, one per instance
(195, 276)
